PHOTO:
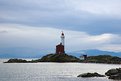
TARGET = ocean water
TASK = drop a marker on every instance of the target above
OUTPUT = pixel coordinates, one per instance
(51, 71)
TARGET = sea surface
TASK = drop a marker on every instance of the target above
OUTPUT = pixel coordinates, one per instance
(51, 71)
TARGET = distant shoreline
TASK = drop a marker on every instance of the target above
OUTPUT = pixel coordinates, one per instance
(65, 58)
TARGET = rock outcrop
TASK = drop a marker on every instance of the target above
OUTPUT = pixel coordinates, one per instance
(104, 59)
(59, 58)
(16, 61)
(91, 75)
(114, 74)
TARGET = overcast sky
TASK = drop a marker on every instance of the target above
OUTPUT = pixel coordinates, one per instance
(34, 26)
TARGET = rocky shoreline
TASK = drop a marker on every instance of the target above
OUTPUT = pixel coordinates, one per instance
(105, 59)
(114, 74)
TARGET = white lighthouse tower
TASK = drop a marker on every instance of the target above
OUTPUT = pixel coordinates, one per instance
(63, 39)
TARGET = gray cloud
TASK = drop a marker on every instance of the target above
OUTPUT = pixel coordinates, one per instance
(3, 31)
(66, 14)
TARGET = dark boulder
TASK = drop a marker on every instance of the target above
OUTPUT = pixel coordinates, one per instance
(111, 72)
(91, 75)
(114, 74)
(115, 77)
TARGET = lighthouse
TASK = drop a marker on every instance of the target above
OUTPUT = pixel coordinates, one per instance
(60, 48)
(63, 39)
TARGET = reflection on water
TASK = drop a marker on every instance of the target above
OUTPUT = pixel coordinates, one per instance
(51, 71)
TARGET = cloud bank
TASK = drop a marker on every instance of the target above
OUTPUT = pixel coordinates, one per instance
(34, 27)
(35, 40)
